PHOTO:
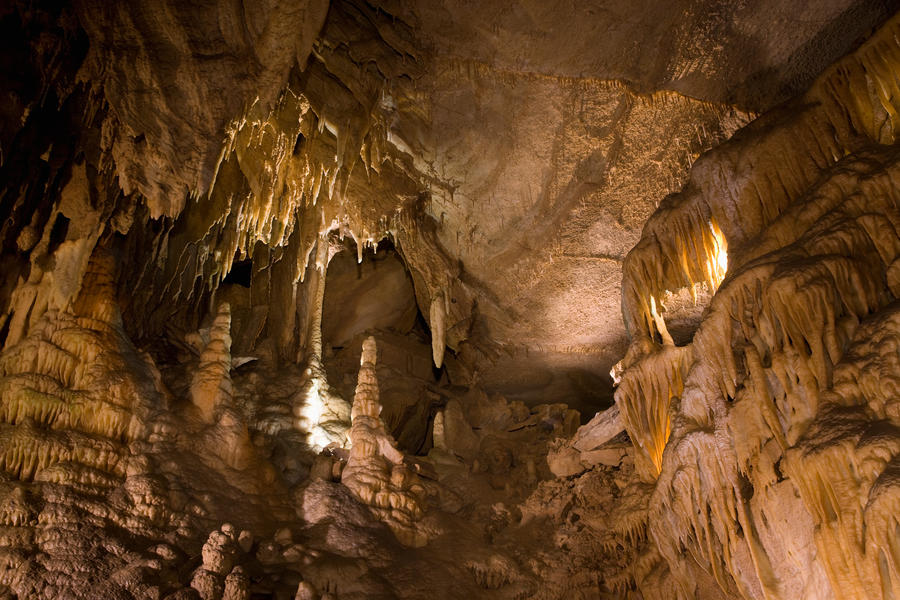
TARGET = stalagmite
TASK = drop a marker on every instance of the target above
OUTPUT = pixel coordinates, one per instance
(211, 386)
(376, 471)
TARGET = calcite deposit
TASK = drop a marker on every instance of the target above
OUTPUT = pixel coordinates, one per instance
(438, 299)
(376, 471)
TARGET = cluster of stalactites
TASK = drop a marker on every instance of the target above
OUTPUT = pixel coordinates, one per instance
(281, 185)
(298, 157)
(289, 175)
(763, 357)
(694, 251)
(778, 426)
(286, 174)
(737, 191)
(644, 397)
(295, 179)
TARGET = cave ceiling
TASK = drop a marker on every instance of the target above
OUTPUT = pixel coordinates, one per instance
(532, 141)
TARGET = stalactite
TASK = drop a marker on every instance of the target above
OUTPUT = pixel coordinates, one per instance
(450, 303)
(771, 429)
(438, 314)
(644, 396)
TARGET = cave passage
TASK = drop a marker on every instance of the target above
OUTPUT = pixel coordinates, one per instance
(240, 273)
(376, 297)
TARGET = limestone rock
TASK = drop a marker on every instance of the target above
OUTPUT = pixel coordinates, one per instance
(603, 427)
(565, 462)
(305, 591)
(453, 432)
(237, 585)
(376, 471)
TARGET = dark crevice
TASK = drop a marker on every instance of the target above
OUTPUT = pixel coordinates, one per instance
(58, 233)
(298, 145)
(241, 273)
(4, 331)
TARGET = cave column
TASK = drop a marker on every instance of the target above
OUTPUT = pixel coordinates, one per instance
(314, 335)
(320, 413)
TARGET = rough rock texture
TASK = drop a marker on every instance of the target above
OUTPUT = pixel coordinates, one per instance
(756, 437)
(308, 299)
(376, 294)
(375, 470)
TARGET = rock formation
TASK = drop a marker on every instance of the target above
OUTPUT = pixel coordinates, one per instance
(633, 271)
(743, 427)
(376, 472)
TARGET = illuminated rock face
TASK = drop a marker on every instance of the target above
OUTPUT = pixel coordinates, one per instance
(774, 423)
(299, 300)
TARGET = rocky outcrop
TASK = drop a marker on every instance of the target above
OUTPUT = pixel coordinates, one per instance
(589, 446)
(747, 427)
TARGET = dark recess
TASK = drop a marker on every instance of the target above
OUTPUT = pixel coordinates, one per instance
(59, 232)
(241, 273)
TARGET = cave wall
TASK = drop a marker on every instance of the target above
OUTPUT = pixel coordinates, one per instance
(768, 443)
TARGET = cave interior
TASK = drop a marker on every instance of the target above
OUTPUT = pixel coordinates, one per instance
(369, 299)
